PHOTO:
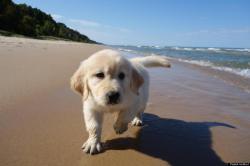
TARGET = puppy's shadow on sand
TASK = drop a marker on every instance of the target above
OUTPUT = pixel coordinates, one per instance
(174, 141)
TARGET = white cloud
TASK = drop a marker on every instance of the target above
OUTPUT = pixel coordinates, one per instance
(85, 22)
(96, 30)
(56, 16)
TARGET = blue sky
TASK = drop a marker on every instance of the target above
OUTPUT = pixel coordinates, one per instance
(204, 23)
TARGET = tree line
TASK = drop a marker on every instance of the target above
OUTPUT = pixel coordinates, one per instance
(25, 20)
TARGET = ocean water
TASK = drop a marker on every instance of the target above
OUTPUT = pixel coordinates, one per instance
(233, 60)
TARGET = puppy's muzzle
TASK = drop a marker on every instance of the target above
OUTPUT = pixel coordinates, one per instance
(113, 97)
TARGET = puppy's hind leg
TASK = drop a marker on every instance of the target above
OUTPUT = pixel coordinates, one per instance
(137, 121)
(123, 117)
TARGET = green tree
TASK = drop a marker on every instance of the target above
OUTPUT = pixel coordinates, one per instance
(27, 26)
(25, 20)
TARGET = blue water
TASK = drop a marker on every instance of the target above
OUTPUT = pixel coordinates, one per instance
(233, 60)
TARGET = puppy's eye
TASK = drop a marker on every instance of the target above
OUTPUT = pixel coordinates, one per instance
(121, 76)
(100, 75)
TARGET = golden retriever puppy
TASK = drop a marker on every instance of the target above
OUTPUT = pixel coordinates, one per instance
(108, 82)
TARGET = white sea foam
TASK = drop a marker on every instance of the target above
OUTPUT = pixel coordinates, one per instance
(238, 49)
(127, 50)
(200, 49)
(157, 47)
(176, 48)
(245, 49)
(196, 62)
(182, 48)
(241, 72)
(214, 49)
(188, 49)
(197, 49)
(211, 49)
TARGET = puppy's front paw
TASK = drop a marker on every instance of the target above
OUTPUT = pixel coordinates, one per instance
(92, 146)
(136, 122)
(120, 128)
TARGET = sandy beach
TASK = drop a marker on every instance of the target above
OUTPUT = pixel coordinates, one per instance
(192, 118)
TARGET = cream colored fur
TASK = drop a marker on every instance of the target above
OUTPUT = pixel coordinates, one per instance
(133, 91)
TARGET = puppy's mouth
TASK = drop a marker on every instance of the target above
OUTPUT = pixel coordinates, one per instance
(113, 98)
(113, 102)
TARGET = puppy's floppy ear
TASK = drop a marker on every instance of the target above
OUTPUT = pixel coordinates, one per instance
(136, 81)
(79, 83)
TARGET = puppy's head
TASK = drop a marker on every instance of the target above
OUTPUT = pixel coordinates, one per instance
(107, 78)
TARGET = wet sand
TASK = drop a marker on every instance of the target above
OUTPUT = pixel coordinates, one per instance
(192, 118)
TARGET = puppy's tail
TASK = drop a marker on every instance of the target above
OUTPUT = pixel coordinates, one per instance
(152, 61)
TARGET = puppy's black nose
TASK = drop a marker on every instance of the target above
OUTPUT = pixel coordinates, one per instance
(113, 97)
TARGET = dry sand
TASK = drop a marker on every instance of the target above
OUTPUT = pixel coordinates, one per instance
(193, 118)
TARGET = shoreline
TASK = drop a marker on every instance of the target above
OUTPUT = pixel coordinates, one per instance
(230, 78)
(18, 39)
(239, 81)
(192, 118)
